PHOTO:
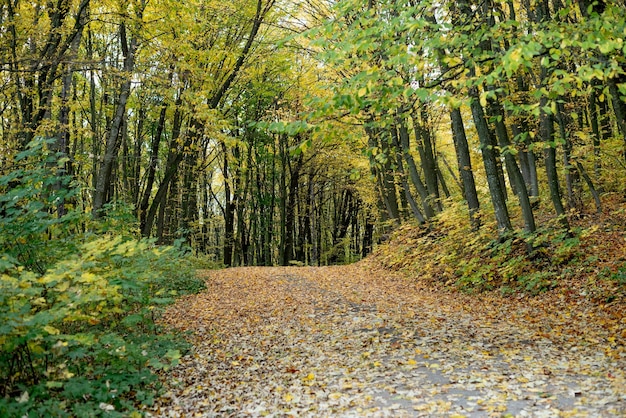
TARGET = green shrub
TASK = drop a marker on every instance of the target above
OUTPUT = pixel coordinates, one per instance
(620, 276)
(78, 331)
(84, 332)
(38, 224)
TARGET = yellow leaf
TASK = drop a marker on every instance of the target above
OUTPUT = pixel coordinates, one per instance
(288, 397)
(483, 99)
(67, 374)
(88, 277)
(62, 286)
(51, 330)
(411, 362)
(310, 376)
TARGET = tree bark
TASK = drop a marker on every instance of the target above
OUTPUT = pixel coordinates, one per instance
(403, 134)
(427, 156)
(465, 166)
(518, 184)
(404, 183)
(546, 128)
(152, 167)
(104, 179)
(498, 198)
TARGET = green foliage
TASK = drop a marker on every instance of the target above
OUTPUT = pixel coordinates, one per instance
(620, 276)
(78, 311)
(120, 220)
(36, 217)
(451, 254)
(84, 333)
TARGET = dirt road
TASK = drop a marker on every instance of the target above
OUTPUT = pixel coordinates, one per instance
(354, 341)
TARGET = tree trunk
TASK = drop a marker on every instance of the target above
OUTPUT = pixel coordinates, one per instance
(104, 179)
(152, 167)
(518, 184)
(384, 178)
(229, 210)
(592, 189)
(404, 183)
(572, 178)
(403, 134)
(546, 127)
(290, 210)
(427, 156)
(174, 157)
(465, 166)
(491, 165)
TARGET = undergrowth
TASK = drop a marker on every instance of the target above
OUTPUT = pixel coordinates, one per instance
(449, 253)
(78, 310)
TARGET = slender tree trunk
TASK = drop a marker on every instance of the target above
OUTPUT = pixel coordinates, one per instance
(619, 108)
(229, 210)
(595, 129)
(427, 156)
(154, 161)
(403, 178)
(498, 198)
(384, 178)
(174, 158)
(515, 175)
(465, 166)
(527, 156)
(283, 200)
(547, 133)
(63, 135)
(403, 134)
(290, 210)
(104, 179)
(368, 237)
(136, 159)
(404, 183)
(592, 189)
(572, 178)
(442, 180)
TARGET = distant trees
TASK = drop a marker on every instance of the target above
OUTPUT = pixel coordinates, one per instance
(177, 110)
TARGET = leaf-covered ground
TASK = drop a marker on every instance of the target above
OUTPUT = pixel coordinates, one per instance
(357, 341)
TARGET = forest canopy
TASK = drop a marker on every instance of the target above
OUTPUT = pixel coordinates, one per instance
(275, 132)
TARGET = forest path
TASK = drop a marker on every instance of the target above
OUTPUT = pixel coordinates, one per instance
(357, 341)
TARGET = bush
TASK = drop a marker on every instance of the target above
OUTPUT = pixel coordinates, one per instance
(78, 331)
(450, 253)
(84, 333)
(37, 221)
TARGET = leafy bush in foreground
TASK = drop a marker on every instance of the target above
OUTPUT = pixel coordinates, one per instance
(78, 335)
(81, 339)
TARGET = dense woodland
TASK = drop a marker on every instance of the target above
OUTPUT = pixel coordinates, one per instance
(275, 132)
(245, 129)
